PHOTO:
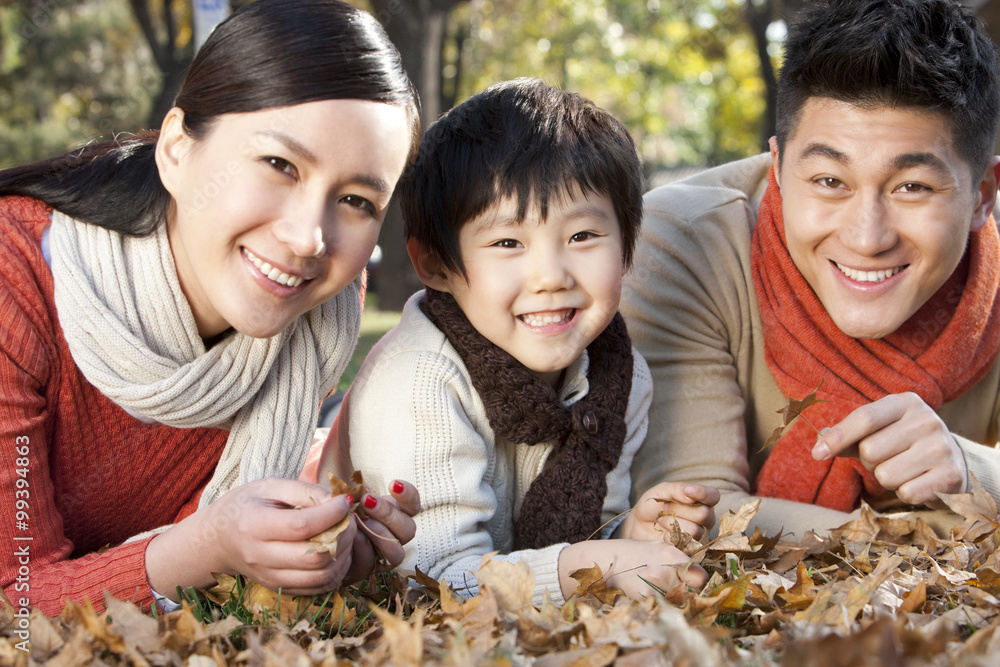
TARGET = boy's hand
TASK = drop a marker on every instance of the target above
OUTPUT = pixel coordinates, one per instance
(634, 566)
(688, 505)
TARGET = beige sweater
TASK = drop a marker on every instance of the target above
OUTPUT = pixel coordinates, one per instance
(413, 414)
(691, 310)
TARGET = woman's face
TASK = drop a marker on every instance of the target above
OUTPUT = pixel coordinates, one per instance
(276, 211)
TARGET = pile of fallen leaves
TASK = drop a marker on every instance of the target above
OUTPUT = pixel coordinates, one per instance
(878, 591)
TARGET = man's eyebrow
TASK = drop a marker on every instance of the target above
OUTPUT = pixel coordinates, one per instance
(297, 147)
(823, 150)
(909, 160)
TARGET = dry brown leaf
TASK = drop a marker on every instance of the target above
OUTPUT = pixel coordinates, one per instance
(789, 412)
(592, 583)
(402, 639)
(736, 524)
(328, 539)
(513, 584)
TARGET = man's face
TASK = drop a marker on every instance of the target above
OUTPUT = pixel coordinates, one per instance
(878, 207)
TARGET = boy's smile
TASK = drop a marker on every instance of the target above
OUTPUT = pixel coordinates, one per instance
(542, 290)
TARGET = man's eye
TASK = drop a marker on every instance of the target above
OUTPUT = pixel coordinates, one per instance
(829, 182)
(912, 187)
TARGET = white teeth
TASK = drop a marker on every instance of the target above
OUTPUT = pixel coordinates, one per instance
(272, 272)
(536, 320)
(868, 276)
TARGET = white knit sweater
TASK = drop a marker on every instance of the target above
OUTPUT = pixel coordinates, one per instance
(413, 414)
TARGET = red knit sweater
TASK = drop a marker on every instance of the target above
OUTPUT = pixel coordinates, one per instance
(77, 473)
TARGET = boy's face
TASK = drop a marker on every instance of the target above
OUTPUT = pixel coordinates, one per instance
(878, 207)
(541, 290)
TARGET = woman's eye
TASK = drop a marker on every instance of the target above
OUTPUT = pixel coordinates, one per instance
(505, 243)
(282, 165)
(359, 202)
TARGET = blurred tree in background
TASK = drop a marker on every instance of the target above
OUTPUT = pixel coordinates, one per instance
(693, 80)
(69, 72)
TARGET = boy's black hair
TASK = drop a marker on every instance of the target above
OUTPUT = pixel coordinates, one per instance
(926, 54)
(521, 139)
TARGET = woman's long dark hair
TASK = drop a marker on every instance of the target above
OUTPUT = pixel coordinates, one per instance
(270, 53)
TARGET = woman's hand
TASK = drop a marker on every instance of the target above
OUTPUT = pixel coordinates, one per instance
(904, 443)
(634, 566)
(688, 505)
(387, 527)
(260, 530)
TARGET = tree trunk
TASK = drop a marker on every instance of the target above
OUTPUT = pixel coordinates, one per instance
(759, 17)
(171, 58)
(417, 28)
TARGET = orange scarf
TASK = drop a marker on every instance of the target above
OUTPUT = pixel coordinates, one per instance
(947, 346)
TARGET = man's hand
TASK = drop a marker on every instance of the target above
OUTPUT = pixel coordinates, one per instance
(904, 443)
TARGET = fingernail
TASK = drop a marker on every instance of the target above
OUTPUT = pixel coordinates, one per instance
(370, 502)
(820, 452)
(690, 490)
(350, 498)
(397, 487)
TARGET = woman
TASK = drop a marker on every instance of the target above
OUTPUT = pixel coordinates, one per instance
(177, 305)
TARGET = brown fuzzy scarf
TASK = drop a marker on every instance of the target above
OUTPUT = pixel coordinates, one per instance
(564, 502)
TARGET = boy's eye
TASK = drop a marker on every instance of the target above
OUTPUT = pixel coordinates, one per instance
(505, 243)
(582, 236)
(282, 165)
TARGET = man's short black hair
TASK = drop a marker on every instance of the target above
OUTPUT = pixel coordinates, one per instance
(521, 139)
(932, 55)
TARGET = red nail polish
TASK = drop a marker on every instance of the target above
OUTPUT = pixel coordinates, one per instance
(350, 499)
(397, 487)
(370, 502)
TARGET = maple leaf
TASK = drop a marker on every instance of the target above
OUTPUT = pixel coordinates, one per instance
(591, 582)
(789, 412)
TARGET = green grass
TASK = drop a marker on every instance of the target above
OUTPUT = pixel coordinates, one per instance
(374, 324)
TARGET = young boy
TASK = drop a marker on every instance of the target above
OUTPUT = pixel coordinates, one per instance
(510, 393)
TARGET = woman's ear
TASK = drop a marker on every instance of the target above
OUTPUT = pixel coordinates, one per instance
(429, 267)
(170, 147)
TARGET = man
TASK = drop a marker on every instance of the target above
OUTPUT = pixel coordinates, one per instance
(859, 257)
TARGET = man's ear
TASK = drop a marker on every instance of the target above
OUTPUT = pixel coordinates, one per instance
(429, 267)
(170, 148)
(775, 159)
(987, 193)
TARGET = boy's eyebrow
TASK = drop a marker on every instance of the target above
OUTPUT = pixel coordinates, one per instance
(497, 220)
(503, 220)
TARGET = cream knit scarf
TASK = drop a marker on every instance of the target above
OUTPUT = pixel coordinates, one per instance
(132, 334)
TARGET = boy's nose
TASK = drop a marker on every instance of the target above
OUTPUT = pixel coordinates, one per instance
(549, 273)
